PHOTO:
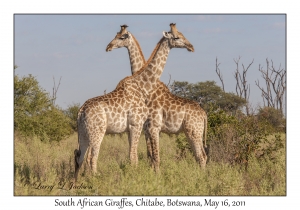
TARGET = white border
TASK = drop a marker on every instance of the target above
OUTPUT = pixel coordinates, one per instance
(8, 8)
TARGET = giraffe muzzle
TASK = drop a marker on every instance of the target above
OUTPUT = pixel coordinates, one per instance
(190, 48)
(108, 48)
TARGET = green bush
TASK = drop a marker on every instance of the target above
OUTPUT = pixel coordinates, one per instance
(221, 131)
(272, 116)
(34, 112)
(182, 146)
(72, 112)
(207, 93)
(234, 139)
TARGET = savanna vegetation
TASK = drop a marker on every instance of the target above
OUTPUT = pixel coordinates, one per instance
(47, 169)
(246, 151)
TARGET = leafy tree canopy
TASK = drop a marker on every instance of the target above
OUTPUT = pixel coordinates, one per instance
(34, 112)
(208, 93)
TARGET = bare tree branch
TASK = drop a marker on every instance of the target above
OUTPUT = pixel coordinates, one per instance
(54, 90)
(219, 73)
(169, 80)
(242, 88)
(275, 83)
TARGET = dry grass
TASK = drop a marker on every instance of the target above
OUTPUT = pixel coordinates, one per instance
(48, 168)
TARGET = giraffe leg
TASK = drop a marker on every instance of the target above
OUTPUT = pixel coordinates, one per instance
(148, 141)
(195, 139)
(88, 158)
(95, 148)
(90, 135)
(134, 135)
(129, 142)
(79, 156)
(154, 138)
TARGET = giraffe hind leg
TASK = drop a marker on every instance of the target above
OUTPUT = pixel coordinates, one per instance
(148, 142)
(94, 153)
(195, 140)
(88, 158)
(79, 157)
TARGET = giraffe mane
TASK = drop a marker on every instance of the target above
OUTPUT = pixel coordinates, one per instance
(151, 56)
(121, 83)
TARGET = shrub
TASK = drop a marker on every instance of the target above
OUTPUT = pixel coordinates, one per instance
(272, 116)
(72, 112)
(221, 131)
(35, 114)
(182, 146)
(234, 139)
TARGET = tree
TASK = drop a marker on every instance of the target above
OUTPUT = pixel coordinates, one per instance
(180, 88)
(218, 71)
(206, 93)
(54, 90)
(35, 113)
(242, 88)
(72, 113)
(275, 81)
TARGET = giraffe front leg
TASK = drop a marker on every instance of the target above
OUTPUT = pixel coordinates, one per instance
(154, 139)
(134, 136)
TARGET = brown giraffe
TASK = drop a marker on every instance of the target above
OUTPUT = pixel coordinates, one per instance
(124, 109)
(168, 113)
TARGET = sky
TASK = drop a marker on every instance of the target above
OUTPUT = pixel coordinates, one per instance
(72, 47)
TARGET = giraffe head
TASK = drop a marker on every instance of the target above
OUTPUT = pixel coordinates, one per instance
(176, 39)
(122, 39)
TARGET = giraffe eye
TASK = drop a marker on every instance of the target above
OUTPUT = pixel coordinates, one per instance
(176, 38)
(124, 36)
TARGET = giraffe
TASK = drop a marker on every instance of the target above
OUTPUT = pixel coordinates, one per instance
(168, 113)
(122, 39)
(124, 109)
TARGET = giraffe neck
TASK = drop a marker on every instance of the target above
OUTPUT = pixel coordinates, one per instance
(148, 77)
(137, 59)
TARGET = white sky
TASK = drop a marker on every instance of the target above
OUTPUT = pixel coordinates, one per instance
(75, 47)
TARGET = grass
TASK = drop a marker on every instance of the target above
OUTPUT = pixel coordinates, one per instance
(47, 169)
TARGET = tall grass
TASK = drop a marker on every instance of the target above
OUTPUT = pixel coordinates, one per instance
(47, 169)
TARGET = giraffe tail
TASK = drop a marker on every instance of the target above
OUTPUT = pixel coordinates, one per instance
(77, 152)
